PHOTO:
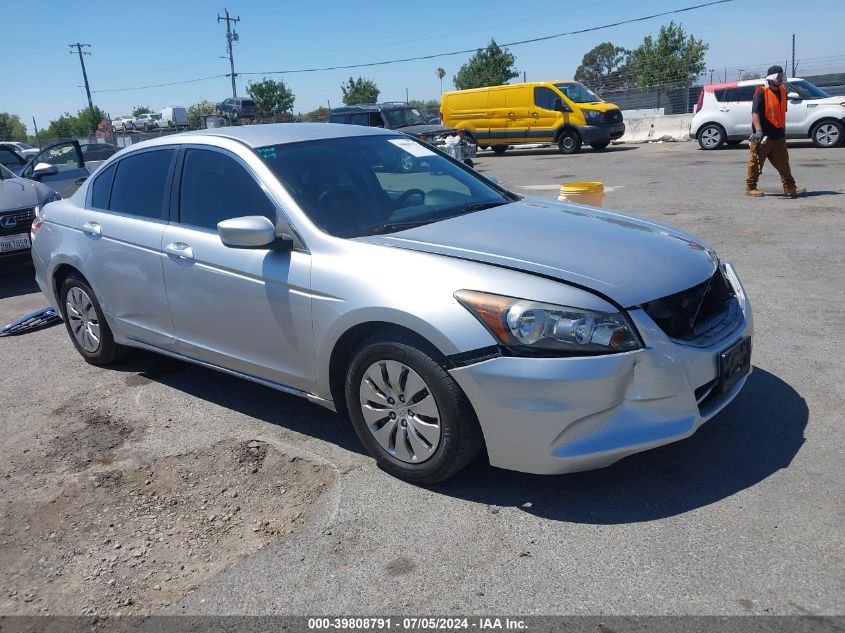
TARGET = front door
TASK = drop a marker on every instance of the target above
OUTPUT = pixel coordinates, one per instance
(544, 117)
(67, 157)
(248, 310)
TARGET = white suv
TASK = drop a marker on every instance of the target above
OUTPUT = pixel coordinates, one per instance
(723, 114)
(146, 121)
(122, 123)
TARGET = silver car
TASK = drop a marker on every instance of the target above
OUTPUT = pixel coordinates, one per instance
(21, 203)
(444, 314)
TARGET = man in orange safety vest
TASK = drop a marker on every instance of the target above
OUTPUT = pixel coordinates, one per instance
(768, 139)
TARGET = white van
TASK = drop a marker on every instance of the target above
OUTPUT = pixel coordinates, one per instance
(175, 117)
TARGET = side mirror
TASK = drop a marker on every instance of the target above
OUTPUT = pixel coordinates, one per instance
(794, 96)
(43, 169)
(558, 105)
(252, 231)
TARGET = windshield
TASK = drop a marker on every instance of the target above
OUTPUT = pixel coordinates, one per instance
(403, 117)
(578, 93)
(806, 90)
(366, 185)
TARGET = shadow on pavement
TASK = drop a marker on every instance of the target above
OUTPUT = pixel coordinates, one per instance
(758, 434)
(553, 151)
(243, 396)
(18, 277)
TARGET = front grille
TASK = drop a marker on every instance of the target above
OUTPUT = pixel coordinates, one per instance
(612, 117)
(23, 221)
(699, 316)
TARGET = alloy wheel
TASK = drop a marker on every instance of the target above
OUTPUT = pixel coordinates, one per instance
(400, 411)
(711, 137)
(827, 135)
(82, 318)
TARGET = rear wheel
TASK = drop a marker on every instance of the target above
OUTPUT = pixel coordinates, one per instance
(409, 412)
(86, 323)
(711, 136)
(827, 134)
(569, 142)
(499, 149)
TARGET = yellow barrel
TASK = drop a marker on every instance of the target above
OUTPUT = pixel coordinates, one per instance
(591, 193)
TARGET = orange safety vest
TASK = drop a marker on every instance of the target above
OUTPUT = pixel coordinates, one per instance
(775, 110)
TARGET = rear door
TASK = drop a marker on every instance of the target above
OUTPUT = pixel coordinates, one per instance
(121, 230)
(736, 110)
(248, 310)
(67, 157)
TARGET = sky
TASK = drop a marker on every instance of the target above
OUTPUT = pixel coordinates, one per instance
(156, 41)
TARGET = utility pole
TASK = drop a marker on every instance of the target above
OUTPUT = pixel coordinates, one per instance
(230, 37)
(79, 50)
(793, 54)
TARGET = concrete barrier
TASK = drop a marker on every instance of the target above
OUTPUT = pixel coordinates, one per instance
(673, 127)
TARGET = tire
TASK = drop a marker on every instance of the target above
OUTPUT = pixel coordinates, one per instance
(469, 162)
(711, 136)
(85, 323)
(827, 134)
(470, 137)
(599, 146)
(452, 436)
(569, 142)
(499, 149)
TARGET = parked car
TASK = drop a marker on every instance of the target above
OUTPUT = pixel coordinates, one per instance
(236, 108)
(723, 114)
(122, 124)
(96, 151)
(10, 158)
(565, 113)
(400, 116)
(60, 166)
(147, 121)
(442, 312)
(21, 201)
(173, 117)
(24, 149)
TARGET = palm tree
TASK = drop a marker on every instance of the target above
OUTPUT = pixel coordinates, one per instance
(440, 74)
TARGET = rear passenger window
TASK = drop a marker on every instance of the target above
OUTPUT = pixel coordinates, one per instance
(742, 93)
(101, 189)
(140, 182)
(215, 187)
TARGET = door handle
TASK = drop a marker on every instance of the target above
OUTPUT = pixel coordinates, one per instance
(510, 113)
(724, 109)
(92, 228)
(179, 250)
(535, 114)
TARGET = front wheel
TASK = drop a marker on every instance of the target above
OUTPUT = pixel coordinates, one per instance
(409, 412)
(569, 142)
(711, 136)
(827, 134)
(86, 323)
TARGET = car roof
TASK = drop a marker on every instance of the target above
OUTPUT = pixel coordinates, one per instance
(273, 133)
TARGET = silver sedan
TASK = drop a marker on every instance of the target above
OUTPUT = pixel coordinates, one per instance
(444, 314)
(21, 203)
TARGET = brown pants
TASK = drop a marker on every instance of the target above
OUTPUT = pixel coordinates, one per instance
(775, 151)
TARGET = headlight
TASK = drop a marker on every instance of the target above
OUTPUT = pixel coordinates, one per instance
(531, 325)
(594, 116)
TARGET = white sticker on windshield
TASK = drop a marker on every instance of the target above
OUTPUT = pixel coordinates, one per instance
(412, 147)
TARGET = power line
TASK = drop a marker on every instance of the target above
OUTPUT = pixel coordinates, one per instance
(517, 43)
(79, 50)
(230, 36)
(423, 57)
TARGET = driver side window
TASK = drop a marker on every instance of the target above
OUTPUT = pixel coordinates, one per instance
(215, 187)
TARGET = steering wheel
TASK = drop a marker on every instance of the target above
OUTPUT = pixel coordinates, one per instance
(407, 194)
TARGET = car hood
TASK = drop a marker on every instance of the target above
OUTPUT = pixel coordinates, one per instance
(19, 193)
(628, 260)
(425, 129)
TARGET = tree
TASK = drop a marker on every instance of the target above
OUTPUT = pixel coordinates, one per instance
(440, 74)
(137, 110)
(87, 121)
(602, 66)
(431, 104)
(359, 91)
(492, 66)
(750, 75)
(11, 127)
(674, 59)
(197, 111)
(271, 97)
(320, 114)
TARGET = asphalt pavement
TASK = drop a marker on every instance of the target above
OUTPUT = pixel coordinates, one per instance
(744, 517)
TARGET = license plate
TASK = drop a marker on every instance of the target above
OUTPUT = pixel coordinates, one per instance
(17, 242)
(734, 363)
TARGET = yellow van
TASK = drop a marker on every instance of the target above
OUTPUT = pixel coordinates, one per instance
(566, 113)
